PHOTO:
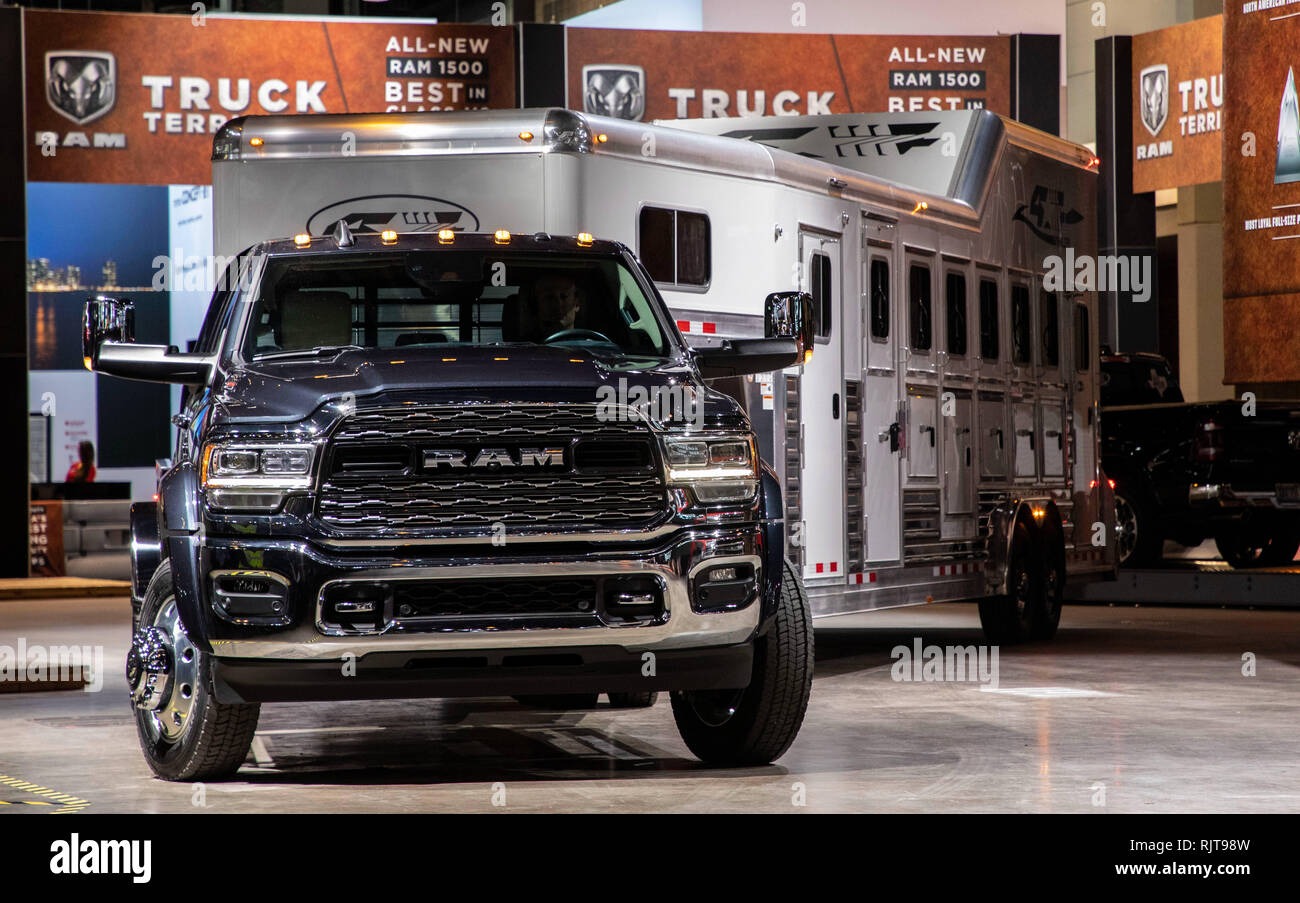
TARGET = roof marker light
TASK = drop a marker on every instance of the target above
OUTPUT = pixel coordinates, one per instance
(585, 239)
(525, 136)
(388, 237)
(602, 138)
(501, 237)
(920, 206)
(446, 236)
(256, 142)
(302, 239)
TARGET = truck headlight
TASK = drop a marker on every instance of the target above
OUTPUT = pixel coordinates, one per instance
(717, 468)
(255, 476)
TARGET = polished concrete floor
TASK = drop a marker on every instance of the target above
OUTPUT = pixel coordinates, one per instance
(1129, 710)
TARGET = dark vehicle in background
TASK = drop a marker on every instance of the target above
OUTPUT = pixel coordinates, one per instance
(1225, 470)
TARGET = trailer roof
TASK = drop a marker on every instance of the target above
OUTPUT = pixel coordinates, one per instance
(753, 148)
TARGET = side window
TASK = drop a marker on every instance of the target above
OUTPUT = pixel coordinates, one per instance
(1050, 349)
(1082, 339)
(955, 295)
(675, 246)
(989, 320)
(879, 283)
(1020, 329)
(918, 283)
(819, 281)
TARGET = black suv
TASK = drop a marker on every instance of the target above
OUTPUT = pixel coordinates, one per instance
(457, 464)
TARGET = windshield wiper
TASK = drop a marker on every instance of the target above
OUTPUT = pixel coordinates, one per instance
(330, 350)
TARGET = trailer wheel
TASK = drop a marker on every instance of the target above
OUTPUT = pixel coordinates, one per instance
(1259, 544)
(1010, 618)
(185, 733)
(755, 725)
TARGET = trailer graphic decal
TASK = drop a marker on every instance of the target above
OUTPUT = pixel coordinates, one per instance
(400, 212)
(853, 139)
(1047, 214)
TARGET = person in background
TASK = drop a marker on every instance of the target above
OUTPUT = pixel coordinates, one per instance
(83, 471)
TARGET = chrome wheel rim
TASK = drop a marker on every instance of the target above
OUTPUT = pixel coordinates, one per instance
(1126, 528)
(715, 707)
(170, 721)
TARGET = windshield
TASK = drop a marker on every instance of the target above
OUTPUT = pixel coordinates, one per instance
(438, 299)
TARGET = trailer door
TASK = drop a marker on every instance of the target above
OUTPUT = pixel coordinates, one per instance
(822, 413)
(881, 432)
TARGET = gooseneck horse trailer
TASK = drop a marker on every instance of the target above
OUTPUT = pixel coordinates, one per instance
(941, 442)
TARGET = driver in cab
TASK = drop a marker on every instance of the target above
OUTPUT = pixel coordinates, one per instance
(558, 301)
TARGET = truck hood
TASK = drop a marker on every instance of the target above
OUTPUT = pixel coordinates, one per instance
(290, 390)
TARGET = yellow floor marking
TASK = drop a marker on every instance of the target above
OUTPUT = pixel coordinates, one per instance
(65, 802)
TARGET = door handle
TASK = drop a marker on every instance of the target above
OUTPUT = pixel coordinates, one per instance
(968, 457)
(835, 406)
(997, 431)
(923, 428)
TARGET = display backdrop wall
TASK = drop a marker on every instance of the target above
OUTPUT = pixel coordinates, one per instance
(647, 75)
(1177, 90)
(1261, 192)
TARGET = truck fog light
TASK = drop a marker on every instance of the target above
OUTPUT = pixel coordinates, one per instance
(244, 500)
(724, 588)
(724, 491)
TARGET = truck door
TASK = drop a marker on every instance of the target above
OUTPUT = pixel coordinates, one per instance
(881, 434)
(822, 413)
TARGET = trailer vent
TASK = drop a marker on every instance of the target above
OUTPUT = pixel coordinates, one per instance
(793, 471)
(854, 523)
(920, 523)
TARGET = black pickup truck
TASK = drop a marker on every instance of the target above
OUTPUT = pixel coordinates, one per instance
(458, 464)
(1226, 470)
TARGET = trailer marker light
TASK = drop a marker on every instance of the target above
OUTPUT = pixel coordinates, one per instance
(807, 355)
(446, 236)
(1111, 483)
(388, 237)
(585, 239)
(1039, 513)
(256, 142)
(302, 239)
(525, 136)
(920, 207)
(501, 237)
(1094, 162)
(602, 138)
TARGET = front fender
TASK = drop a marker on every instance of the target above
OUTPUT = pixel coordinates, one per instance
(146, 547)
(178, 522)
(773, 515)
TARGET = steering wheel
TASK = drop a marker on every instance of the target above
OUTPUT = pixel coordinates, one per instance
(578, 334)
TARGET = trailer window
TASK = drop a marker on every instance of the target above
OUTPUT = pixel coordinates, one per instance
(820, 283)
(1082, 339)
(1020, 330)
(1048, 316)
(989, 350)
(879, 298)
(955, 292)
(918, 279)
(675, 246)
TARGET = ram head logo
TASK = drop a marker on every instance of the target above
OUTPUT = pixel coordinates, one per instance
(1154, 96)
(81, 84)
(614, 90)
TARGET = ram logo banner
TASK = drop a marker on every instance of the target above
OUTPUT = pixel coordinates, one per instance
(81, 84)
(612, 89)
(399, 212)
(1155, 97)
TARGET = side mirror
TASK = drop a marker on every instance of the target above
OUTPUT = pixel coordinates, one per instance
(790, 315)
(108, 346)
(105, 319)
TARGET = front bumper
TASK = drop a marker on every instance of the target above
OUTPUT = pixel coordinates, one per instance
(674, 564)
(484, 672)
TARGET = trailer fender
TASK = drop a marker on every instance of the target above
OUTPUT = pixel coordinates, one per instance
(1042, 520)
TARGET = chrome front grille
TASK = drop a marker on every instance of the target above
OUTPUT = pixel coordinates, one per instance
(378, 478)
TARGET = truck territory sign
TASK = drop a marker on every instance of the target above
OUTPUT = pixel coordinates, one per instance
(1178, 105)
(647, 75)
(1261, 193)
(136, 98)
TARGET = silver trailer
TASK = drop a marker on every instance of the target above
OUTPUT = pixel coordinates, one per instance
(942, 442)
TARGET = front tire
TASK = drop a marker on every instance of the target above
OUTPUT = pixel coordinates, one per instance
(186, 735)
(1138, 542)
(756, 725)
